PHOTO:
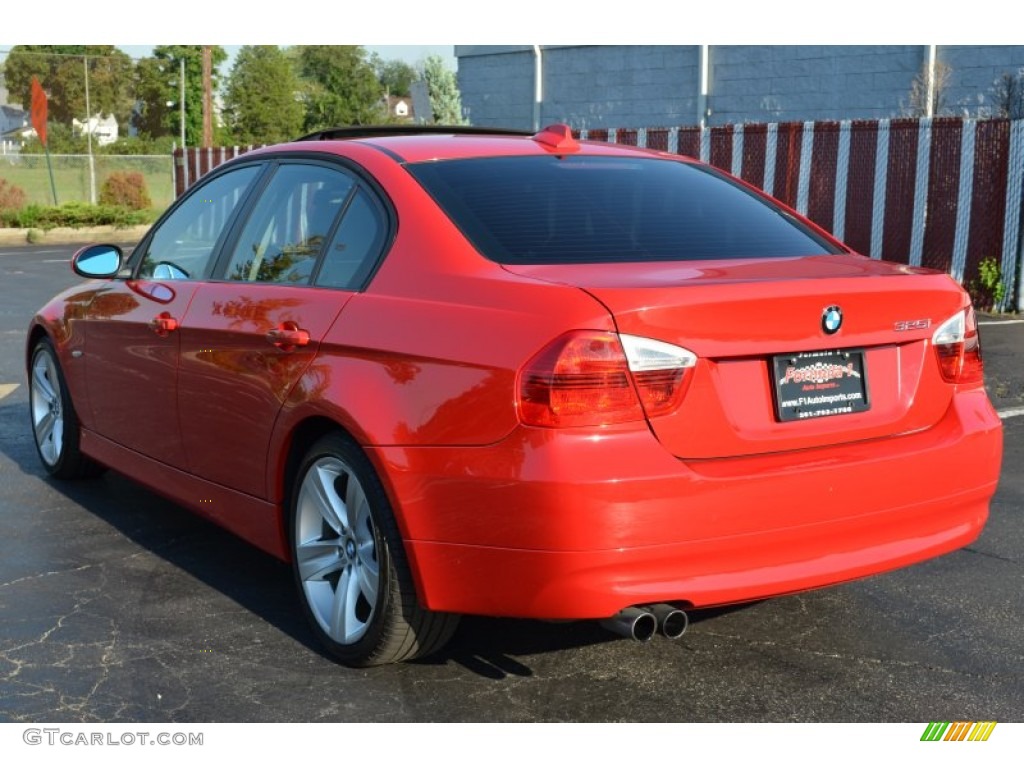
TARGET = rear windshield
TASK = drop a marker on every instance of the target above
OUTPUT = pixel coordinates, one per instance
(564, 210)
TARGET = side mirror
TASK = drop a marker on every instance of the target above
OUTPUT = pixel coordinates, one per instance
(97, 261)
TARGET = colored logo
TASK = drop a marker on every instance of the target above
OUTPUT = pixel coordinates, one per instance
(958, 731)
(831, 319)
(818, 373)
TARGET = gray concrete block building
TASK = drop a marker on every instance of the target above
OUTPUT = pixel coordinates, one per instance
(623, 86)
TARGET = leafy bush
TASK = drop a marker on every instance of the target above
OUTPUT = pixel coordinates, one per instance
(987, 290)
(12, 197)
(138, 145)
(59, 141)
(126, 188)
(46, 217)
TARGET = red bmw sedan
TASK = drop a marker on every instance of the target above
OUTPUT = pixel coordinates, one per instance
(464, 371)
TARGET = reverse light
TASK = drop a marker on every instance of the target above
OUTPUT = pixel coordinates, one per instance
(958, 348)
(592, 378)
(658, 371)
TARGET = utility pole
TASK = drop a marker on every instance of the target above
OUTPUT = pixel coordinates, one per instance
(184, 146)
(88, 134)
(207, 96)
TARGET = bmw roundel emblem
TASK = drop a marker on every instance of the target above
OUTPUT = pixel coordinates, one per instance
(831, 319)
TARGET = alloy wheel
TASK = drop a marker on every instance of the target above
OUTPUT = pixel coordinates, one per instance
(336, 550)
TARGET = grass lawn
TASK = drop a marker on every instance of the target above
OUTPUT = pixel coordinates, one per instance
(71, 176)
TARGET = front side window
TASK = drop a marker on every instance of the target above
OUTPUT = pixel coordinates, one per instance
(182, 246)
(290, 224)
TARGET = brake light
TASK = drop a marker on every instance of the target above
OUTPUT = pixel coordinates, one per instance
(958, 348)
(592, 378)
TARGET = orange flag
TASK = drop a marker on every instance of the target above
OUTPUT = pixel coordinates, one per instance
(38, 110)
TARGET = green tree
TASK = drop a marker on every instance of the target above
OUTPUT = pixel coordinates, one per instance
(59, 141)
(262, 100)
(1008, 95)
(443, 91)
(158, 91)
(339, 87)
(61, 72)
(394, 75)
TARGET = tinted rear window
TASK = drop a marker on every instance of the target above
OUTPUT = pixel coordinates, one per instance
(562, 210)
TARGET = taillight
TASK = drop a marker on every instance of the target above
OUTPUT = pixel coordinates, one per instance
(591, 378)
(958, 348)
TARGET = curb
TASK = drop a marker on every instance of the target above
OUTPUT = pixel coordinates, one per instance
(70, 236)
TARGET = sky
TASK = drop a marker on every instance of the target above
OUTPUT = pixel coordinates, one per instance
(413, 25)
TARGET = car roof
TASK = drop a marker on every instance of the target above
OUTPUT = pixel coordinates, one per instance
(415, 144)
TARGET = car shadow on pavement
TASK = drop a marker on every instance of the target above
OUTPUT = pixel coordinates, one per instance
(254, 580)
(488, 646)
(243, 573)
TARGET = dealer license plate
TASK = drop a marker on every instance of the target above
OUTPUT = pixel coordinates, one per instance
(813, 384)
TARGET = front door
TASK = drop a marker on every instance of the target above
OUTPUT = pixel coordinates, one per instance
(133, 326)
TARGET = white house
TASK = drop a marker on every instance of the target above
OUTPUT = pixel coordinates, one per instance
(103, 129)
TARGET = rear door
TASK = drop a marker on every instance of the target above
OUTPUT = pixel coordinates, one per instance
(308, 244)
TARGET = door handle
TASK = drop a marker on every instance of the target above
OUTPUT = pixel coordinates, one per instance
(288, 336)
(163, 324)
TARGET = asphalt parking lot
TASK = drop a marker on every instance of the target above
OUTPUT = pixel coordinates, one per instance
(116, 605)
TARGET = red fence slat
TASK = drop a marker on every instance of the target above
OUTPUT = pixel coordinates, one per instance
(988, 211)
(689, 142)
(657, 138)
(755, 148)
(943, 183)
(822, 196)
(860, 188)
(721, 147)
(899, 190)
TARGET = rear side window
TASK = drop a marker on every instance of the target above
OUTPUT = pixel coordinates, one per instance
(287, 229)
(353, 250)
(563, 210)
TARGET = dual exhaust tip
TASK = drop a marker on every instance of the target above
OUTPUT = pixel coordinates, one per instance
(643, 622)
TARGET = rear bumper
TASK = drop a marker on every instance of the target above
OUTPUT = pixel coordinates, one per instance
(565, 524)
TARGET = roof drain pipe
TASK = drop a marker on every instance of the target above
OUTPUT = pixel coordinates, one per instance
(634, 623)
(929, 108)
(538, 86)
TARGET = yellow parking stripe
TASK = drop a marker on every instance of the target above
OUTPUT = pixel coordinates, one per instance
(6, 389)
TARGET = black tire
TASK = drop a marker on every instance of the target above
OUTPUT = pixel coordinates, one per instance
(349, 562)
(56, 430)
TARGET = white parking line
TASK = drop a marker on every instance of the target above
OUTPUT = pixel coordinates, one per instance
(999, 322)
(1009, 413)
(34, 253)
(6, 389)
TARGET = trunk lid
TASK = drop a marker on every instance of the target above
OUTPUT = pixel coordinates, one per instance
(739, 316)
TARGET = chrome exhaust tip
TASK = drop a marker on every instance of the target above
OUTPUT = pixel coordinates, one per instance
(635, 623)
(673, 622)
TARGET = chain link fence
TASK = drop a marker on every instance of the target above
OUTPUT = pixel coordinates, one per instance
(943, 193)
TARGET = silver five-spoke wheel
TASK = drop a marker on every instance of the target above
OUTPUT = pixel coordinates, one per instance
(55, 424)
(349, 561)
(336, 550)
(47, 407)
